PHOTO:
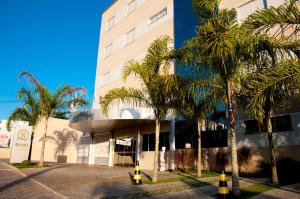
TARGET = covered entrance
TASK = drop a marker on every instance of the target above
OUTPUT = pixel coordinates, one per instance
(125, 152)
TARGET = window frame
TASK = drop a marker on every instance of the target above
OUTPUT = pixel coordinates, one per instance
(132, 39)
(157, 16)
(133, 3)
(111, 23)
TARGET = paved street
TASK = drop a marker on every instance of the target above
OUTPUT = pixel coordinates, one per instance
(82, 181)
(14, 185)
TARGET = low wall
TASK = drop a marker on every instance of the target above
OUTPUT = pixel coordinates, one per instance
(61, 144)
(219, 158)
(5, 153)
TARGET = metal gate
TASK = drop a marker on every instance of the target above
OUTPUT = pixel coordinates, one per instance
(101, 149)
(83, 148)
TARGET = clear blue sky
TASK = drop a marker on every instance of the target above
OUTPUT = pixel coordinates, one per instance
(55, 40)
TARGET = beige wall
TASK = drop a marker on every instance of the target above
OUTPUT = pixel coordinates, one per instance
(5, 153)
(144, 35)
(61, 145)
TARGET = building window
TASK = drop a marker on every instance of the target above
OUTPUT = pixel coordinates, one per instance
(106, 78)
(110, 22)
(149, 141)
(130, 36)
(158, 15)
(131, 7)
(247, 9)
(108, 50)
(279, 124)
(100, 98)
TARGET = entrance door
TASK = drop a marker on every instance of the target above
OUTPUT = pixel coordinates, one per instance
(101, 149)
(83, 148)
(125, 152)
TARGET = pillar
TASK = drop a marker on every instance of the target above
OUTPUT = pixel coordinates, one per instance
(111, 150)
(172, 145)
(138, 144)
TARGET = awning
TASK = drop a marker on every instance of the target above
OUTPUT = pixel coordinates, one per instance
(95, 121)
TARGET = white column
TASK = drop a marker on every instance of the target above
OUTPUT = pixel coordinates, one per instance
(138, 144)
(111, 152)
(172, 145)
(91, 149)
(111, 149)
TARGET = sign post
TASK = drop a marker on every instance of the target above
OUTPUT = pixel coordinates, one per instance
(20, 144)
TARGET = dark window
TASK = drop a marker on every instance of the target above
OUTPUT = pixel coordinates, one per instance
(279, 123)
(186, 132)
(149, 141)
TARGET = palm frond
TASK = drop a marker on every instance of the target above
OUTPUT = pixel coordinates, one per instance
(18, 114)
(283, 18)
(266, 84)
(131, 96)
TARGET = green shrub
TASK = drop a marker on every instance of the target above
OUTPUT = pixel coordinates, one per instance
(25, 163)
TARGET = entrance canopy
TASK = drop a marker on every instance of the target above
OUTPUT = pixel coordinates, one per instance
(95, 121)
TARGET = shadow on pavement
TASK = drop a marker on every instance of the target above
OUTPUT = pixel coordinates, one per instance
(28, 177)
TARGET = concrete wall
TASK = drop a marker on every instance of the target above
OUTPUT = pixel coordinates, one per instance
(5, 153)
(61, 144)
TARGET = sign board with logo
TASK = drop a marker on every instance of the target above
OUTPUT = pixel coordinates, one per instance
(20, 144)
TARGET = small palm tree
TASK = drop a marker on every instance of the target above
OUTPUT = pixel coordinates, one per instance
(55, 104)
(276, 65)
(30, 111)
(217, 46)
(156, 90)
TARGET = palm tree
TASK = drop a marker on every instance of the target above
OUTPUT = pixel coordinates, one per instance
(276, 65)
(155, 92)
(217, 46)
(55, 104)
(30, 111)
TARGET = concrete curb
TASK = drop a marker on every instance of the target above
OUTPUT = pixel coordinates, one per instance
(33, 180)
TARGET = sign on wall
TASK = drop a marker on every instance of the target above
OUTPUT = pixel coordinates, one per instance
(20, 144)
(4, 139)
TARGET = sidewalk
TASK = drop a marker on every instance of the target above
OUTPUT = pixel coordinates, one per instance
(13, 185)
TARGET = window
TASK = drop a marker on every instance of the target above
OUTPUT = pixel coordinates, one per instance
(131, 7)
(130, 36)
(149, 141)
(100, 98)
(110, 22)
(108, 50)
(245, 10)
(158, 15)
(279, 124)
(106, 78)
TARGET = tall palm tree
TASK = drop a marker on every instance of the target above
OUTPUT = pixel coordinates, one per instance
(30, 111)
(217, 45)
(155, 92)
(276, 65)
(55, 104)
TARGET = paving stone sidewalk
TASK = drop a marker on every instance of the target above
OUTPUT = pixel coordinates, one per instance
(14, 185)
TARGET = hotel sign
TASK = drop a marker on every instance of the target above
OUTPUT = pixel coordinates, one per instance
(21, 144)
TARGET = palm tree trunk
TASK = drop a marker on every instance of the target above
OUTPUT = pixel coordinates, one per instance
(155, 167)
(271, 148)
(41, 164)
(234, 160)
(199, 149)
(30, 147)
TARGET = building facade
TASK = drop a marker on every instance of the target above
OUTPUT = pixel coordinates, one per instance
(128, 27)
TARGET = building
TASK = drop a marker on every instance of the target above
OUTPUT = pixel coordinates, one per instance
(128, 27)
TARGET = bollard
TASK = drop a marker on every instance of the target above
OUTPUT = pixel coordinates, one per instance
(137, 174)
(223, 187)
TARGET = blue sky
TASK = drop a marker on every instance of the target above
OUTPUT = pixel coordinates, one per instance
(55, 40)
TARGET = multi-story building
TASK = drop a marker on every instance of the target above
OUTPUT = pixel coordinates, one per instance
(127, 29)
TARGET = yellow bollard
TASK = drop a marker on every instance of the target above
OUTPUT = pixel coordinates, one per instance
(223, 187)
(137, 174)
